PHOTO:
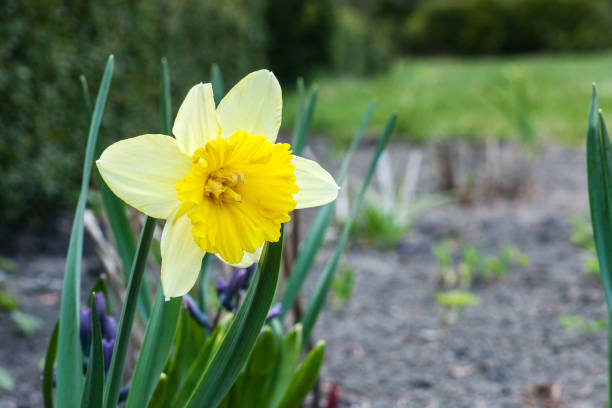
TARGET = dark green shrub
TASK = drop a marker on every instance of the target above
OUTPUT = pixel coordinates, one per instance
(47, 44)
(299, 35)
(356, 48)
(506, 26)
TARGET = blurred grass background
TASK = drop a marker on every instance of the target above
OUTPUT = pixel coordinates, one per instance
(444, 97)
(449, 68)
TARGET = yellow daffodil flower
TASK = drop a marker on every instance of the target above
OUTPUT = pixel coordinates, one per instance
(223, 185)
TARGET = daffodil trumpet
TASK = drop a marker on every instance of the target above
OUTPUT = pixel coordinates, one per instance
(222, 184)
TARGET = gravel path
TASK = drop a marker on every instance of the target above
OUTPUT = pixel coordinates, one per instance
(389, 347)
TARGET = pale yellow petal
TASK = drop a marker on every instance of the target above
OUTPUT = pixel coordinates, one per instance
(181, 257)
(248, 259)
(317, 186)
(196, 121)
(143, 170)
(254, 104)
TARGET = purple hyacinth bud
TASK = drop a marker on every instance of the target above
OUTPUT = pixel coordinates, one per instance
(239, 277)
(101, 306)
(109, 328)
(235, 283)
(85, 328)
(107, 349)
(123, 393)
(221, 286)
(274, 312)
(250, 272)
(195, 312)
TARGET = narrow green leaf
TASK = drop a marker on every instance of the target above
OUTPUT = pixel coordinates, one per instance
(290, 355)
(231, 357)
(599, 178)
(115, 372)
(86, 98)
(318, 298)
(304, 378)
(314, 239)
(302, 126)
(598, 197)
(154, 351)
(166, 102)
(217, 83)
(204, 282)
(177, 366)
(94, 381)
(198, 367)
(69, 366)
(47, 384)
(261, 364)
(118, 221)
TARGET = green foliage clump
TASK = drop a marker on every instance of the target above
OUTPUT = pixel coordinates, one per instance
(380, 227)
(508, 26)
(474, 267)
(50, 43)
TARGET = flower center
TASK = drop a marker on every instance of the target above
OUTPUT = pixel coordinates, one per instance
(222, 186)
(237, 193)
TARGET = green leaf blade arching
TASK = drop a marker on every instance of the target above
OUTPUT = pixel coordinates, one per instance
(217, 83)
(69, 357)
(598, 186)
(154, 351)
(317, 300)
(303, 122)
(198, 367)
(304, 378)
(291, 347)
(314, 239)
(47, 385)
(94, 380)
(599, 174)
(230, 358)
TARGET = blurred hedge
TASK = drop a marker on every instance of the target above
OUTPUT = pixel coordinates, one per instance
(46, 44)
(507, 26)
(298, 36)
(356, 48)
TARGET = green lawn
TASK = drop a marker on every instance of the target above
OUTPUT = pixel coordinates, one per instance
(468, 97)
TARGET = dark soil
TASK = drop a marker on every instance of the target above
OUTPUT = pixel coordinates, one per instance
(389, 345)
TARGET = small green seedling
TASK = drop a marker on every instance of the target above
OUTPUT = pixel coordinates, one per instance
(454, 303)
(343, 286)
(591, 265)
(474, 267)
(443, 252)
(579, 323)
(457, 299)
(582, 233)
(7, 302)
(27, 323)
(7, 382)
(380, 228)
